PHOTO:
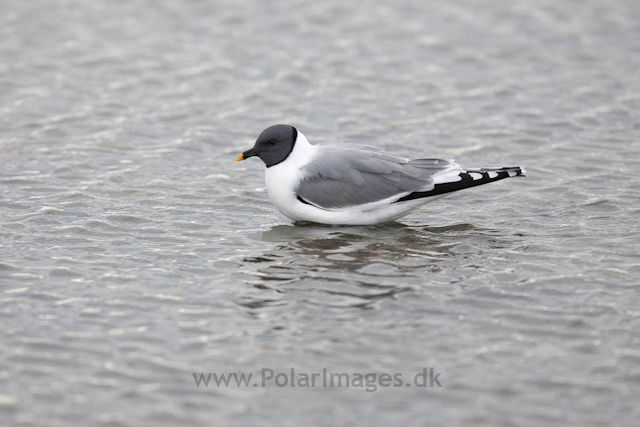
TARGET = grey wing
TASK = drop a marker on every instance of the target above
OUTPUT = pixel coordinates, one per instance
(349, 175)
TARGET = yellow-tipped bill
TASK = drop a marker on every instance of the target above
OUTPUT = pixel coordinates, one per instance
(240, 157)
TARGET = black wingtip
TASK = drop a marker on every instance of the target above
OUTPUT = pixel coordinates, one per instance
(469, 178)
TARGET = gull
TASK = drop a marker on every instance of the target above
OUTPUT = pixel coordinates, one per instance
(350, 184)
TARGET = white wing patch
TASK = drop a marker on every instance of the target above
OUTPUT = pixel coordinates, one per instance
(447, 177)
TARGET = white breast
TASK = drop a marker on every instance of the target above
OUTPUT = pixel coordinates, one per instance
(282, 179)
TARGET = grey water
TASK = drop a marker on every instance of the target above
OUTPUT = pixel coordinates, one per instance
(135, 253)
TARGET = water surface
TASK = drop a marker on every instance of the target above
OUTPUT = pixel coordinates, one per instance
(134, 252)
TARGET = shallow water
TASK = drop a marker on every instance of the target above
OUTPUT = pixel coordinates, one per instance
(134, 252)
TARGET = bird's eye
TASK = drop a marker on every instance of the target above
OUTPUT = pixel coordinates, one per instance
(272, 143)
